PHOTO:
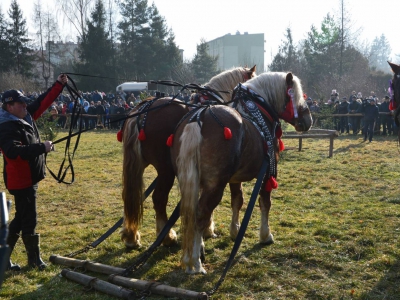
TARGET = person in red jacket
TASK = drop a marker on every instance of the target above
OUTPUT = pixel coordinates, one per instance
(24, 163)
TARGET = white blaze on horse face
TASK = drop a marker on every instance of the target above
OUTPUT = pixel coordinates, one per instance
(291, 95)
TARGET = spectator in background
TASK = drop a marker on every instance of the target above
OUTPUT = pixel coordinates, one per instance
(386, 119)
(353, 108)
(371, 114)
(343, 121)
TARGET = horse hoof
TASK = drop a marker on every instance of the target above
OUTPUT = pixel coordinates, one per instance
(171, 239)
(133, 245)
(268, 241)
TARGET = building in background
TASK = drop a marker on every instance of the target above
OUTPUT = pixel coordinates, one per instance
(238, 50)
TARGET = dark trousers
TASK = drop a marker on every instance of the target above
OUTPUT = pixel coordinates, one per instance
(369, 129)
(344, 125)
(25, 218)
(387, 125)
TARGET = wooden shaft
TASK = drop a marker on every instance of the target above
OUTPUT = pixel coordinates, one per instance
(98, 285)
(305, 136)
(156, 288)
(88, 265)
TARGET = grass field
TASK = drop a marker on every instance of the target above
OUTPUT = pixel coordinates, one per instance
(336, 223)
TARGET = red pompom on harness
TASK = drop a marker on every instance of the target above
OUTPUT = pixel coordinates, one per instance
(227, 133)
(278, 134)
(271, 184)
(119, 136)
(170, 140)
(142, 135)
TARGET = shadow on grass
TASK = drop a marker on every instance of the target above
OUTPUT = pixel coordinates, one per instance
(388, 286)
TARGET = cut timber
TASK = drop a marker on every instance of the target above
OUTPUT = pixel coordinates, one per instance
(85, 264)
(156, 288)
(99, 285)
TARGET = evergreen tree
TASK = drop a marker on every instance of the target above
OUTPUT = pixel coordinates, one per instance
(5, 53)
(287, 58)
(96, 52)
(380, 53)
(133, 27)
(321, 51)
(203, 64)
(21, 60)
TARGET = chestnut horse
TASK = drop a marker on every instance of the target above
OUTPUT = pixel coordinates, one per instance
(394, 90)
(151, 149)
(207, 157)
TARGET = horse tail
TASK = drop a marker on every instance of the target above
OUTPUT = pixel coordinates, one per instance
(132, 178)
(188, 163)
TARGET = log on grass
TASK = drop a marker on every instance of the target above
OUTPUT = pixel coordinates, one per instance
(85, 264)
(156, 288)
(99, 285)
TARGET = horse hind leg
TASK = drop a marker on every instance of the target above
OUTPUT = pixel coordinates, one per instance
(236, 205)
(160, 199)
(266, 236)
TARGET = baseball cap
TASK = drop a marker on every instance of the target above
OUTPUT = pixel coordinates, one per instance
(13, 95)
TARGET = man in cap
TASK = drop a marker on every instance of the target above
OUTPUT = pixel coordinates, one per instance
(371, 114)
(24, 163)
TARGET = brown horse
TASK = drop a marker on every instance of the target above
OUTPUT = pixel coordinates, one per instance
(148, 147)
(206, 157)
(394, 90)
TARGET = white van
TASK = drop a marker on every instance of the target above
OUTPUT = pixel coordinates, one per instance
(136, 87)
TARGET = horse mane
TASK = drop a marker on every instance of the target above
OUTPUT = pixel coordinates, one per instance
(272, 87)
(225, 80)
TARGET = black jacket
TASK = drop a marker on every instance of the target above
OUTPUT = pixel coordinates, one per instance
(23, 153)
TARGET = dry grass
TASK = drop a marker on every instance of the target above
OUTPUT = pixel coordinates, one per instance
(335, 222)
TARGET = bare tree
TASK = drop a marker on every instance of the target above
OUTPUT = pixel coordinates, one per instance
(47, 31)
(76, 12)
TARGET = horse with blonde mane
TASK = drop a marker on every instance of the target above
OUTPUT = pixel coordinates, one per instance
(145, 143)
(207, 157)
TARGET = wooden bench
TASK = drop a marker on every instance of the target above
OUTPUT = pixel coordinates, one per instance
(313, 134)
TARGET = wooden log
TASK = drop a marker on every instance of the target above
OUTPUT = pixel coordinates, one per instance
(85, 264)
(156, 288)
(99, 285)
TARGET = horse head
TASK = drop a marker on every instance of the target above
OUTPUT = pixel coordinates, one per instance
(301, 117)
(394, 90)
(284, 93)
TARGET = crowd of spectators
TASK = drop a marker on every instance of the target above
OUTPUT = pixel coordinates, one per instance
(358, 114)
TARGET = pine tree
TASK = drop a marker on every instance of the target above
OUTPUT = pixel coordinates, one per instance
(203, 64)
(21, 61)
(380, 53)
(5, 53)
(133, 30)
(287, 58)
(96, 52)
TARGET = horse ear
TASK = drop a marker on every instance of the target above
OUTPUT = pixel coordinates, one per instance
(253, 69)
(395, 68)
(289, 79)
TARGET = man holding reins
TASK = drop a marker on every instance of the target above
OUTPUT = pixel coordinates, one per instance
(24, 163)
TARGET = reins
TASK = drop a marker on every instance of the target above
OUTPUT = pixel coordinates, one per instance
(77, 112)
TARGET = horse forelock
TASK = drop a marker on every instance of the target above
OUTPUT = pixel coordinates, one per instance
(273, 88)
(227, 80)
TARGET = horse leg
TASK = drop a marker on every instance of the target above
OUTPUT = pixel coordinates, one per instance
(165, 182)
(208, 201)
(236, 205)
(209, 231)
(266, 236)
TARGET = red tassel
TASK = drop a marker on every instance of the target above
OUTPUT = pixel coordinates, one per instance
(170, 140)
(271, 184)
(278, 132)
(227, 133)
(281, 145)
(119, 136)
(142, 135)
